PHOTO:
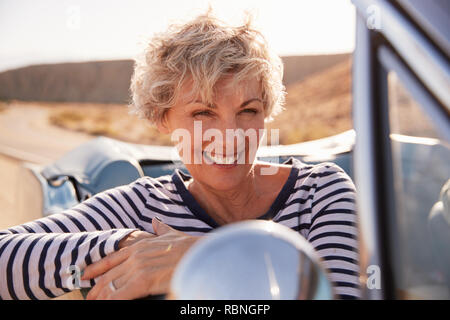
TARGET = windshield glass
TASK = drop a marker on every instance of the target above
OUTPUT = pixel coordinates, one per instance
(421, 167)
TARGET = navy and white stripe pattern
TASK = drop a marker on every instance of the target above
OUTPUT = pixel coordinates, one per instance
(318, 201)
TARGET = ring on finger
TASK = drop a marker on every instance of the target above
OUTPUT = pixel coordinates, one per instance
(169, 247)
(112, 286)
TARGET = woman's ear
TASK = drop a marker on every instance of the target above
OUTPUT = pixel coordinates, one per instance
(162, 124)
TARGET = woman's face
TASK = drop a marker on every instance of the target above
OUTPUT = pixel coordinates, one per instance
(219, 141)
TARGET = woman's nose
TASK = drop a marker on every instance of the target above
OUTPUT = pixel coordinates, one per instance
(228, 122)
(232, 135)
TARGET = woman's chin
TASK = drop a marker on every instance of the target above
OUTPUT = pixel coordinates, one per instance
(223, 176)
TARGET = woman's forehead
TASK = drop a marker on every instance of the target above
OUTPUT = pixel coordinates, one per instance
(225, 88)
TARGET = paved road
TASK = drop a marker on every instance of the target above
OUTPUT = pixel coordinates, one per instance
(26, 136)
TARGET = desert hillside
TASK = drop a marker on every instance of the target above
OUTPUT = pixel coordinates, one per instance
(97, 81)
(317, 107)
(297, 68)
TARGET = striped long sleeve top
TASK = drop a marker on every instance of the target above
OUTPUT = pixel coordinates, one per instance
(38, 259)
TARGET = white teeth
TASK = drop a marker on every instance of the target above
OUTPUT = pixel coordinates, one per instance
(220, 159)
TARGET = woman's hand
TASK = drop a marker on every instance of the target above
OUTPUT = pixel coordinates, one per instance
(143, 266)
(134, 237)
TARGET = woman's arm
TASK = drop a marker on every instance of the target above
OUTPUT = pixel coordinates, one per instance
(333, 231)
(43, 258)
(140, 268)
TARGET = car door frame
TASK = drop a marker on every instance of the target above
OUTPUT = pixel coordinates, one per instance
(396, 45)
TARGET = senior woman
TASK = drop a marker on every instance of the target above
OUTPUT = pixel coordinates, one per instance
(195, 77)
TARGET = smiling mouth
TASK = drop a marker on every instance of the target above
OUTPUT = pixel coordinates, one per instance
(221, 159)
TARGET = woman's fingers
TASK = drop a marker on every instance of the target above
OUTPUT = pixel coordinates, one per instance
(142, 267)
(150, 281)
(110, 261)
(129, 285)
(103, 288)
(160, 227)
(135, 237)
(133, 289)
(151, 258)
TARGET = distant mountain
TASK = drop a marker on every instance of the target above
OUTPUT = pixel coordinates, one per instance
(108, 81)
(98, 81)
(297, 68)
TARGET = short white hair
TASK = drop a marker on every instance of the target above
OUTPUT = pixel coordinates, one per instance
(204, 50)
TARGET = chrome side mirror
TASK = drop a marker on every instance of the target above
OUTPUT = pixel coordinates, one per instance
(258, 260)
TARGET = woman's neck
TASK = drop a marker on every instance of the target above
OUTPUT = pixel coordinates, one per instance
(226, 206)
(248, 200)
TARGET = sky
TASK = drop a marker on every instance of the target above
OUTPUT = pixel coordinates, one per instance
(52, 31)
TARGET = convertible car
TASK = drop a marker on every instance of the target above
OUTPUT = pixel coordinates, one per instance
(398, 153)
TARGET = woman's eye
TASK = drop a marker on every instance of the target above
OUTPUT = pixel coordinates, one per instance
(201, 113)
(250, 111)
